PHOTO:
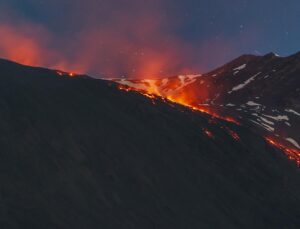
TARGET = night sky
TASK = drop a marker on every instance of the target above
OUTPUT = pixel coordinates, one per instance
(145, 37)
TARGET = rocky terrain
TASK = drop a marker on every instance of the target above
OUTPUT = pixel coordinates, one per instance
(80, 153)
(263, 92)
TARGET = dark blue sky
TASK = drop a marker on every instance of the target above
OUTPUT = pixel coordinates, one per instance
(135, 37)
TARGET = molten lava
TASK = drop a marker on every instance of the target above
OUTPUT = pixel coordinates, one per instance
(68, 74)
(292, 154)
(233, 134)
(153, 94)
(182, 99)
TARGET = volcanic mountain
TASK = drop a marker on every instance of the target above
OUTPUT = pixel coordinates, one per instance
(262, 92)
(77, 152)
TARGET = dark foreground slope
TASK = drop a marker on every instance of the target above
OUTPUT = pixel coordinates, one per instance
(79, 153)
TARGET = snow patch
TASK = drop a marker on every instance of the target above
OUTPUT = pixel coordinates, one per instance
(267, 121)
(182, 79)
(293, 142)
(140, 86)
(186, 80)
(278, 117)
(165, 81)
(292, 111)
(240, 67)
(263, 119)
(230, 105)
(241, 86)
(287, 123)
(251, 103)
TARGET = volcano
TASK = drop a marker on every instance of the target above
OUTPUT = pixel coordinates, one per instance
(78, 152)
(261, 92)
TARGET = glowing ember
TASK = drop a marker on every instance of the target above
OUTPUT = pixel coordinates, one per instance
(292, 154)
(208, 133)
(211, 113)
(233, 134)
(152, 97)
(232, 120)
(124, 88)
(61, 73)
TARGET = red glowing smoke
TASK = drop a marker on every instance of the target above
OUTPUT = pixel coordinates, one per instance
(132, 38)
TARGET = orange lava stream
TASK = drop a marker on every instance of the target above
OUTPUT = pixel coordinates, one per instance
(180, 101)
(292, 154)
(232, 133)
(68, 74)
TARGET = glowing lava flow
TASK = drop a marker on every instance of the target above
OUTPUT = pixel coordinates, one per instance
(69, 74)
(152, 95)
(232, 133)
(292, 154)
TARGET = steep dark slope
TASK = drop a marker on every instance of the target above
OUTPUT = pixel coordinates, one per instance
(79, 153)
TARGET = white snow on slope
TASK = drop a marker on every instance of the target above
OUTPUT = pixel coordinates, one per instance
(132, 84)
(241, 86)
(184, 82)
(292, 111)
(164, 81)
(193, 76)
(155, 86)
(278, 117)
(263, 125)
(182, 79)
(267, 121)
(287, 123)
(263, 119)
(251, 103)
(293, 142)
(240, 67)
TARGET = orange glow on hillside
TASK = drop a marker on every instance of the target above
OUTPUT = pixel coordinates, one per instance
(292, 154)
(233, 134)
(152, 93)
(67, 74)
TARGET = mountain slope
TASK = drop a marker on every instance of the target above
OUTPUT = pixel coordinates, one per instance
(261, 91)
(80, 153)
